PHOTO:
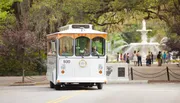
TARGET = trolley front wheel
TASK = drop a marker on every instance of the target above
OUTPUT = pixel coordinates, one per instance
(57, 87)
(51, 84)
(99, 85)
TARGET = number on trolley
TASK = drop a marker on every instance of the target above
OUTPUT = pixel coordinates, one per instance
(66, 61)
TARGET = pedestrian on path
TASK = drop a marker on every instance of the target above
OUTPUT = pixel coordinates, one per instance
(164, 57)
(135, 59)
(168, 57)
(159, 58)
(121, 57)
(139, 58)
(124, 57)
(148, 59)
(117, 56)
(152, 58)
(127, 58)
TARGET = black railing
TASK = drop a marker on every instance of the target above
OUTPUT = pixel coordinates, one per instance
(163, 72)
(167, 69)
(131, 73)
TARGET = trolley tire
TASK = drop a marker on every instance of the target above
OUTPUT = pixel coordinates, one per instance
(51, 84)
(57, 87)
(99, 85)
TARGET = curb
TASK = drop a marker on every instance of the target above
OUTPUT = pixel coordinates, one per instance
(42, 83)
(28, 84)
(163, 81)
(129, 82)
(110, 82)
(22, 84)
(4, 84)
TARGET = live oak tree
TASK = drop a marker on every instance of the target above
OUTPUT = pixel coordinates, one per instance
(117, 17)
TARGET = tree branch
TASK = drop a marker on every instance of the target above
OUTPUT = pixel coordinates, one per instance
(108, 23)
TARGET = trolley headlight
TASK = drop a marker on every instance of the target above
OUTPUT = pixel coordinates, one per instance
(62, 71)
(63, 67)
(100, 71)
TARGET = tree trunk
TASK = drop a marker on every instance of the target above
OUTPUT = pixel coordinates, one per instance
(23, 76)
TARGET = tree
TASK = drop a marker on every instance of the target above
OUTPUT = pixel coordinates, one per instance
(20, 45)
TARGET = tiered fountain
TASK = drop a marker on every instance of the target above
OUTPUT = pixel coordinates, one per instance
(117, 72)
(144, 47)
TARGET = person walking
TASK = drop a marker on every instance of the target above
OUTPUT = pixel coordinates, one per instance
(124, 57)
(168, 57)
(135, 59)
(164, 57)
(152, 58)
(148, 59)
(127, 58)
(139, 58)
(159, 59)
(117, 56)
(121, 57)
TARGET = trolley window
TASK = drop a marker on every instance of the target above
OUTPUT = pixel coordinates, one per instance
(82, 46)
(98, 46)
(51, 48)
(66, 46)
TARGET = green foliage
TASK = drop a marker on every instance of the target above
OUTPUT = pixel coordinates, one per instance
(7, 19)
(99, 46)
(130, 34)
(120, 18)
(41, 16)
(5, 8)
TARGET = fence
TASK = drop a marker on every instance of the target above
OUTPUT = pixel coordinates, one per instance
(168, 72)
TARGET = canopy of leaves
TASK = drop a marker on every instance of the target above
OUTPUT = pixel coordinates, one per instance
(120, 18)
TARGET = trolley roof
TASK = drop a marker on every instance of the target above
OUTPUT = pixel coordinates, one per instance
(77, 29)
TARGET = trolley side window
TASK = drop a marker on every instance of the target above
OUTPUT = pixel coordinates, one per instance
(98, 46)
(51, 48)
(82, 46)
(66, 46)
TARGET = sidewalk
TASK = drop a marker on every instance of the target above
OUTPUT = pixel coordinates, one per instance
(41, 80)
(15, 80)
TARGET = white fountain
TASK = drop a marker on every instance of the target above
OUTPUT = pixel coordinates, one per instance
(144, 47)
(144, 32)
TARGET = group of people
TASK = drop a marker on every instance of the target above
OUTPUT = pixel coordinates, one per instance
(137, 58)
(85, 51)
(149, 59)
(163, 57)
(126, 58)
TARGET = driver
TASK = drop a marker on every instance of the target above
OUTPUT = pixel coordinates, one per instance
(94, 51)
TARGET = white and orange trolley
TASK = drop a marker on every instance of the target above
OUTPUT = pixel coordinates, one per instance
(76, 56)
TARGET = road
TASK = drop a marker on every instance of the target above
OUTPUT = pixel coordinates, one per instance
(111, 93)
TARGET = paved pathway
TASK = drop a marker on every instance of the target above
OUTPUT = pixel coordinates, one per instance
(9, 80)
(154, 72)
